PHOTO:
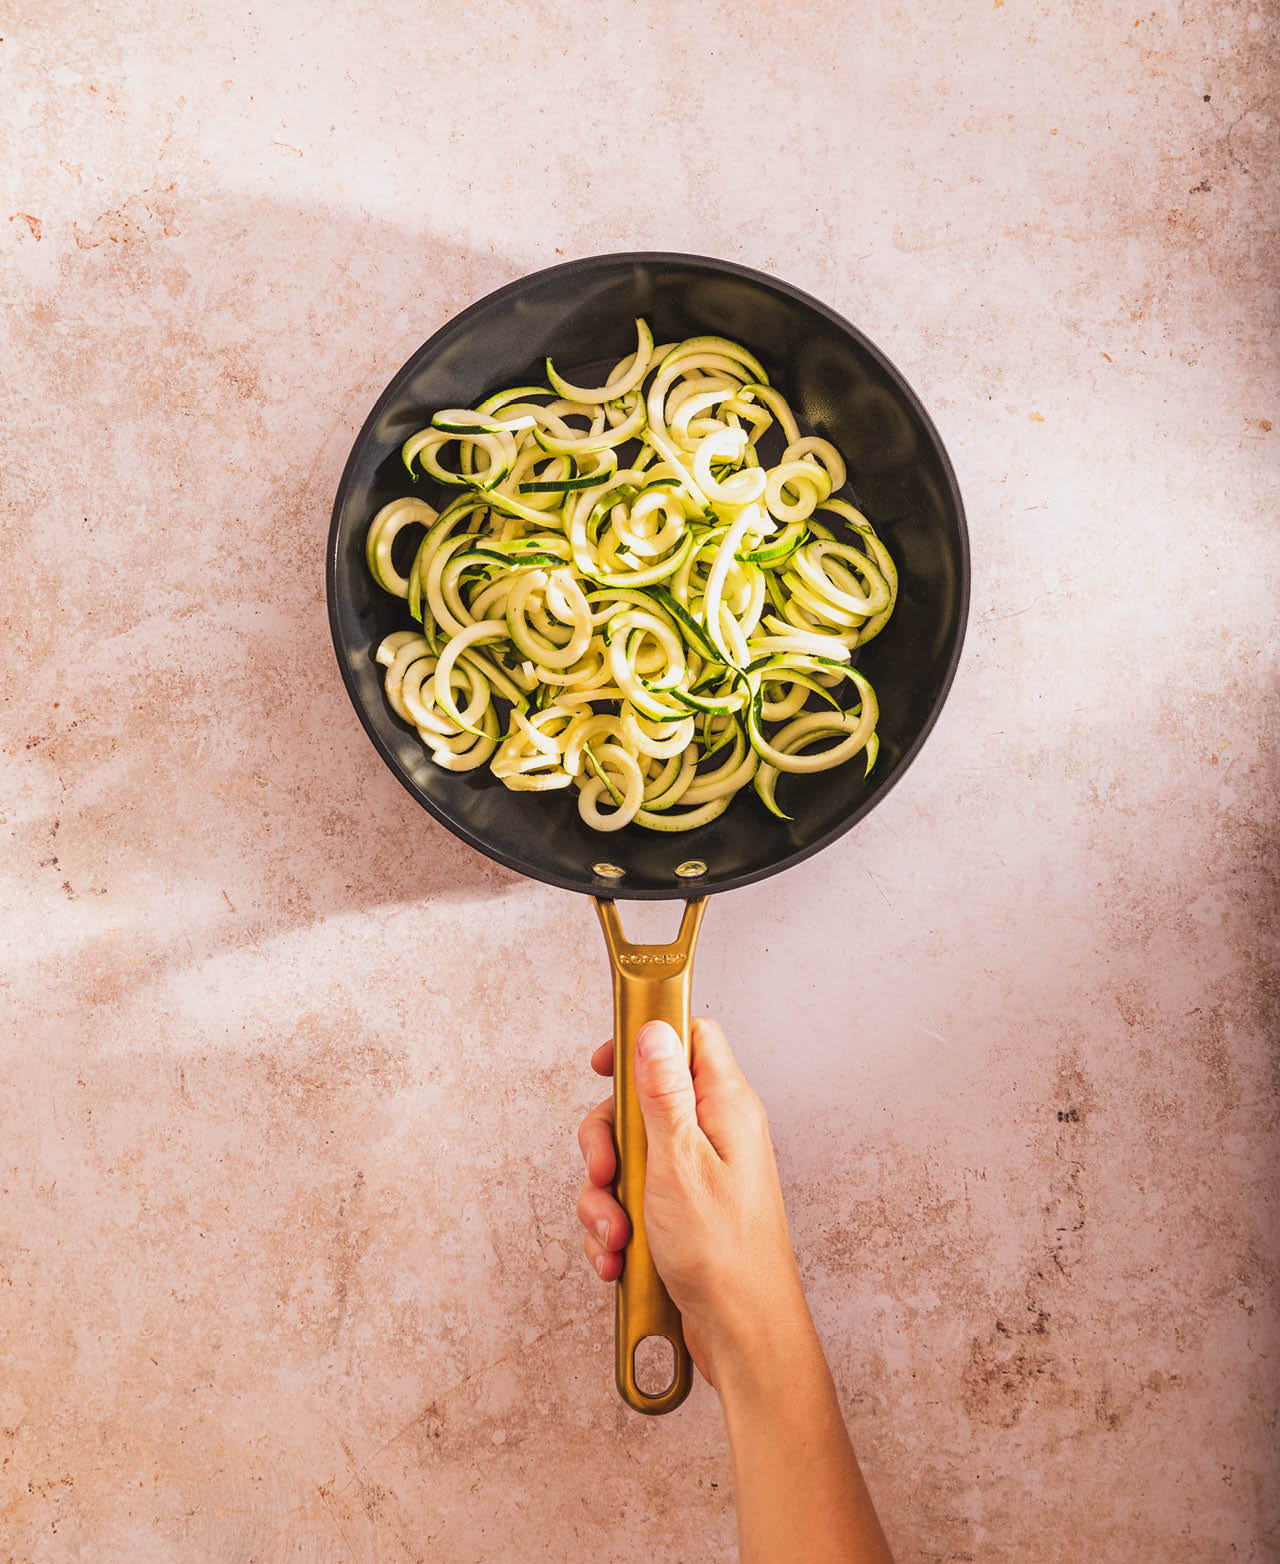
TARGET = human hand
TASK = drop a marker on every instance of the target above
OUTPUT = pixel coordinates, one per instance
(714, 1213)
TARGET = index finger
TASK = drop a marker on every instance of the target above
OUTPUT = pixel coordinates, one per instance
(595, 1140)
(602, 1059)
(711, 1057)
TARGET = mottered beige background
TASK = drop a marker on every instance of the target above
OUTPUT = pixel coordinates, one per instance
(289, 1078)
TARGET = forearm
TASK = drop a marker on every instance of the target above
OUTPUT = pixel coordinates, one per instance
(799, 1491)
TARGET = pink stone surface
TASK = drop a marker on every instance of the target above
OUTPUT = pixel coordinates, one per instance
(289, 1081)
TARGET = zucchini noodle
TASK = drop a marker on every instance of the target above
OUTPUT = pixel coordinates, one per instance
(618, 593)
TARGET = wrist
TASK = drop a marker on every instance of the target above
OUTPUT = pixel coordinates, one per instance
(759, 1358)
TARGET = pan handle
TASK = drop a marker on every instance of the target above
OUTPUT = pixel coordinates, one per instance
(650, 983)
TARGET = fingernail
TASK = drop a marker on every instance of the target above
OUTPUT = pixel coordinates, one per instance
(656, 1040)
(598, 1262)
(602, 1231)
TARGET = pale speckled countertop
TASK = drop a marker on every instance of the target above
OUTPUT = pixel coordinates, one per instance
(288, 1261)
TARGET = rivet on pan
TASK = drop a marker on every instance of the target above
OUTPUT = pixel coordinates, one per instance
(609, 871)
(691, 868)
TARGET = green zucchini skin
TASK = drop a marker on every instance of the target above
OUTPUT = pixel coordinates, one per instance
(625, 595)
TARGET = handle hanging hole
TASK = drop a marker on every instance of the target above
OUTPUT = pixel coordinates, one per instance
(654, 1363)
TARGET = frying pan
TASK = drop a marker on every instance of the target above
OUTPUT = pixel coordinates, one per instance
(844, 388)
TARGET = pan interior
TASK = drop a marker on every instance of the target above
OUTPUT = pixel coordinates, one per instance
(840, 385)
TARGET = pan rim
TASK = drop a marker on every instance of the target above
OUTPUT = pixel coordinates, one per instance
(712, 885)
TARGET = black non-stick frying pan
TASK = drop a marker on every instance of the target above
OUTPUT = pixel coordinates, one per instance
(843, 388)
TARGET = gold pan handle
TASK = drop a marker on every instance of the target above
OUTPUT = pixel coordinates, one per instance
(650, 983)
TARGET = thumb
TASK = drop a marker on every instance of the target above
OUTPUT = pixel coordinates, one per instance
(663, 1083)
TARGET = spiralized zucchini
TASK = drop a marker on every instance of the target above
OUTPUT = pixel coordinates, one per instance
(622, 597)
